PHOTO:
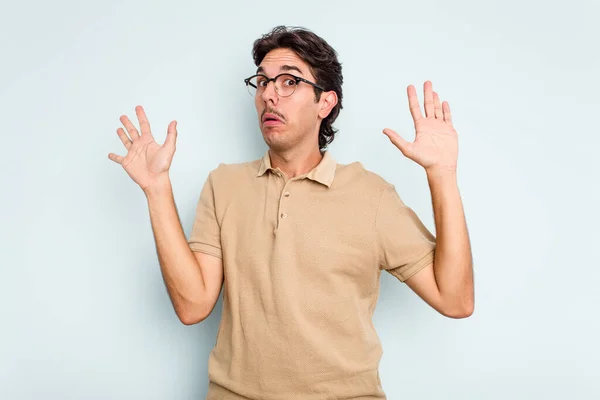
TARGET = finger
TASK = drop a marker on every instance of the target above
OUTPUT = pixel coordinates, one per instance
(171, 134)
(116, 158)
(439, 114)
(144, 124)
(428, 100)
(446, 109)
(404, 146)
(413, 103)
(133, 133)
(124, 138)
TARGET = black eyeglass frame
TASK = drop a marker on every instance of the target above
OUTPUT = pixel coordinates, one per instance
(296, 78)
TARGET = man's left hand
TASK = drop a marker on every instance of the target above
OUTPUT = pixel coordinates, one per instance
(436, 141)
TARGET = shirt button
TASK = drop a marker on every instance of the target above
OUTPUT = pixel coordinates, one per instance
(287, 194)
(283, 215)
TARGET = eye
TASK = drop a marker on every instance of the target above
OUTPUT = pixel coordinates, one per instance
(261, 82)
(289, 82)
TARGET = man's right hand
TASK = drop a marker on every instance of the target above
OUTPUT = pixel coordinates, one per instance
(146, 162)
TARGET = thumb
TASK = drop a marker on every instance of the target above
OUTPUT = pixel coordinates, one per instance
(398, 141)
(171, 135)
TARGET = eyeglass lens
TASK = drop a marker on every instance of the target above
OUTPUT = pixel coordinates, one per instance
(285, 85)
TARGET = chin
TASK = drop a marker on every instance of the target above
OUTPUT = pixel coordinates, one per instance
(273, 132)
(275, 143)
(277, 140)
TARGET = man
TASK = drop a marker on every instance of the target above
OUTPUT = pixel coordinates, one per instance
(300, 241)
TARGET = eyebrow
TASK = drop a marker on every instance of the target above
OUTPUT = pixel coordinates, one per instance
(282, 68)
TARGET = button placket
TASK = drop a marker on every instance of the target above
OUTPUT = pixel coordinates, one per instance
(282, 203)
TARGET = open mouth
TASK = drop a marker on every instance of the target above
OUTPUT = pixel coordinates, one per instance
(271, 119)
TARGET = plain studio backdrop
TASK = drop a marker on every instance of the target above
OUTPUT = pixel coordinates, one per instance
(84, 310)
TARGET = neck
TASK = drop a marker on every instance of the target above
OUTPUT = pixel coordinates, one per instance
(297, 161)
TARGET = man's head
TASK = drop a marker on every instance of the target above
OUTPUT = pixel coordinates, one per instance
(306, 110)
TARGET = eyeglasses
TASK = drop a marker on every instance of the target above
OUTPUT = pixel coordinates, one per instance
(285, 84)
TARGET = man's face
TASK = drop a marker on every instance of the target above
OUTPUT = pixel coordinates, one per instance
(299, 115)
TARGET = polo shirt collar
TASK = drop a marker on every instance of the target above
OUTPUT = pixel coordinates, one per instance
(323, 173)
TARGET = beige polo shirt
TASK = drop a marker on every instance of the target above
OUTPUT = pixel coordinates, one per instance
(302, 262)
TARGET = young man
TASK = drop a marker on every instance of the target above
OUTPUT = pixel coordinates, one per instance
(300, 241)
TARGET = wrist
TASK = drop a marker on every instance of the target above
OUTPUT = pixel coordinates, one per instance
(161, 184)
(443, 174)
(441, 169)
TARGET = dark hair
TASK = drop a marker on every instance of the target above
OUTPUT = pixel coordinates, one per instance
(321, 58)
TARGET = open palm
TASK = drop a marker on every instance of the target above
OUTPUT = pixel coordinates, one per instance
(146, 161)
(436, 140)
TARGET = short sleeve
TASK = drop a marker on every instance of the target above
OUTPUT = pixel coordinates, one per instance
(405, 245)
(206, 232)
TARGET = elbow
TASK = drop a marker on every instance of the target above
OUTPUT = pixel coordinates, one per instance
(460, 304)
(193, 311)
(464, 310)
(459, 314)
(191, 316)
(189, 320)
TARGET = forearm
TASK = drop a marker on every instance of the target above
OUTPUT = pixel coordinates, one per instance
(180, 270)
(453, 264)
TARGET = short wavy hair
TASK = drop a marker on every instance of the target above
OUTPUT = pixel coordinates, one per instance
(321, 58)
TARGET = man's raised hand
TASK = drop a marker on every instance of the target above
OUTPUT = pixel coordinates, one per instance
(146, 162)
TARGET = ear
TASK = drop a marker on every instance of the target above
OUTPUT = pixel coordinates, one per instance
(327, 102)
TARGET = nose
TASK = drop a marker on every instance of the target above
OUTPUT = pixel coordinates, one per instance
(269, 94)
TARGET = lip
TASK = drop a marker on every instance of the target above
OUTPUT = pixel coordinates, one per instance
(271, 120)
